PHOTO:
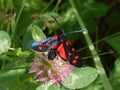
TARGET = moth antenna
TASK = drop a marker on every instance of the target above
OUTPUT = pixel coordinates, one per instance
(59, 25)
(77, 31)
(63, 29)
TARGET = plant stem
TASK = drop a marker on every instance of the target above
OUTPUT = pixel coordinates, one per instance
(96, 58)
(47, 7)
(56, 6)
(17, 19)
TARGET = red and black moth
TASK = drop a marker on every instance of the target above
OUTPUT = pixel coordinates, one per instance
(58, 44)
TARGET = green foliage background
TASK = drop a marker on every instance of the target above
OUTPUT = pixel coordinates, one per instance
(24, 21)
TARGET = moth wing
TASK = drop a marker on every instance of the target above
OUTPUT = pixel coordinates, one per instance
(68, 53)
(44, 45)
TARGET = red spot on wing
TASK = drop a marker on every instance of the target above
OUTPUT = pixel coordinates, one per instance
(74, 61)
(67, 43)
(40, 48)
(76, 57)
(61, 52)
(55, 37)
(54, 47)
(69, 53)
(40, 43)
(47, 44)
(73, 49)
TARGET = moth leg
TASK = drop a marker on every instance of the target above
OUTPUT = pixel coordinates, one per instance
(52, 54)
